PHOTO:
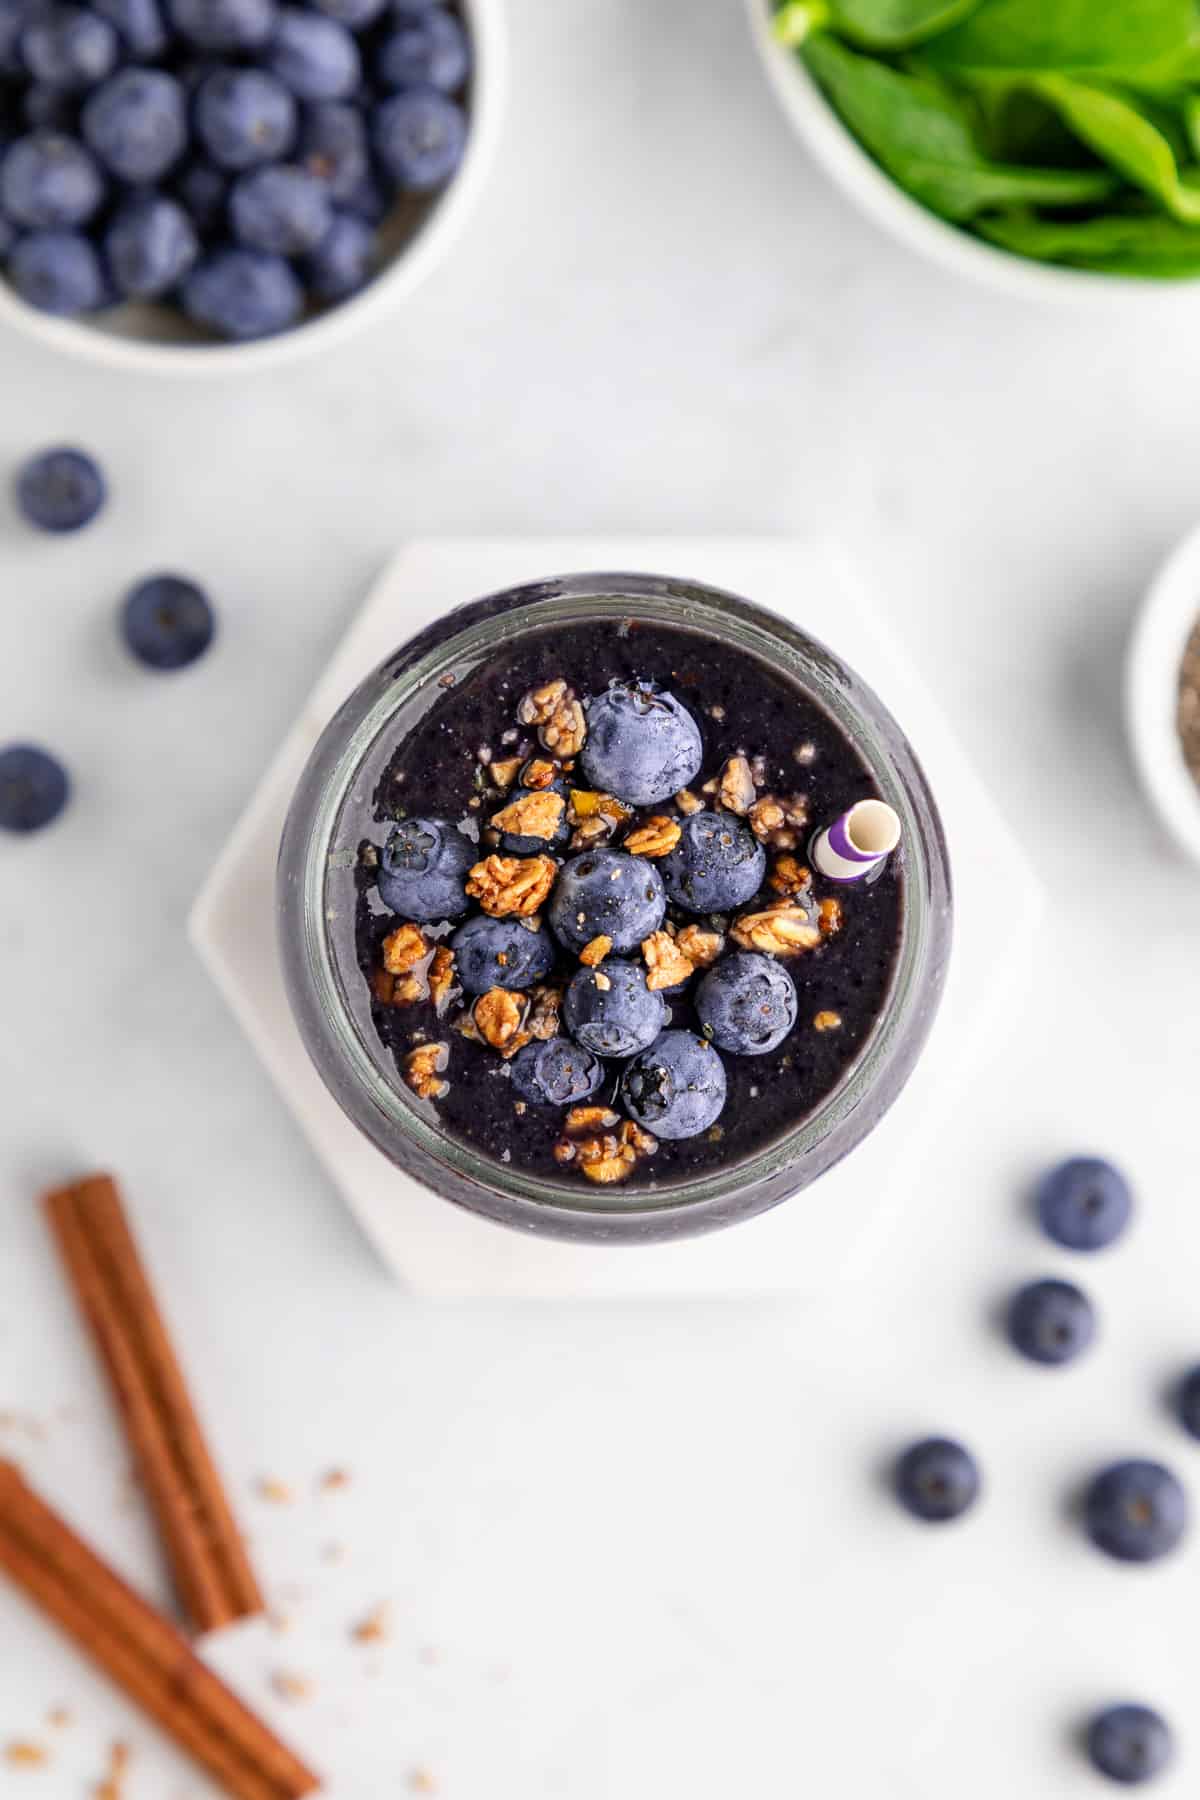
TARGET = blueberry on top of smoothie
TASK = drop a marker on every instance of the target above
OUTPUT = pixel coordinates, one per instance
(556, 1073)
(611, 1010)
(607, 893)
(642, 745)
(503, 953)
(717, 863)
(423, 869)
(676, 1088)
(746, 1004)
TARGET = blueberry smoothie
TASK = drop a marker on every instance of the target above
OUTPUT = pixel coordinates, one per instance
(590, 925)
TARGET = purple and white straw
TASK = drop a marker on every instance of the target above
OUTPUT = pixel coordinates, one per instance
(858, 843)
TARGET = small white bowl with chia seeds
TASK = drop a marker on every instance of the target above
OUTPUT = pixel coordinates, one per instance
(1162, 694)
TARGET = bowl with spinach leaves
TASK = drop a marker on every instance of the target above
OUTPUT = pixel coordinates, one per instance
(1040, 143)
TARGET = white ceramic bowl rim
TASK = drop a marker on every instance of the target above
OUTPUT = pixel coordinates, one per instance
(1165, 623)
(410, 266)
(859, 176)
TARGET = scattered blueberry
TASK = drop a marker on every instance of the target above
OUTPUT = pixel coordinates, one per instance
(139, 24)
(424, 49)
(746, 1004)
(314, 56)
(282, 210)
(243, 294)
(556, 1073)
(69, 47)
(224, 24)
(936, 1480)
(1051, 1322)
(607, 893)
(490, 953)
(342, 262)
(642, 745)
(423, 870)
(58, 272)
(33, 788)
(676, 1088)
(150, 246)
(167, 622)
(1084, 1204)
(244, 117)
(611, 1010)
(136, 124)
(1187, 1402)
(717, 863)
(48, 180)
(60, 490)
(1130, 1744)
(1136, 1511)
(333, 146)
(419, 138)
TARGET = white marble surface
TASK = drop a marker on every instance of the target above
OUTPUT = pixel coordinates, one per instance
(644, 1542)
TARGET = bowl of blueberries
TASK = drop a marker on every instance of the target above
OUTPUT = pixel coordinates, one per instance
(192, 184)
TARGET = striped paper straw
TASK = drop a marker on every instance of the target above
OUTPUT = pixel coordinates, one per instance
(858, 842)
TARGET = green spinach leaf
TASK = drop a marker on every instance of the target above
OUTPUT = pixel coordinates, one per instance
(1128, 138)
(922, 136)
(1067, 34)
(1117, 244)
(873, 24)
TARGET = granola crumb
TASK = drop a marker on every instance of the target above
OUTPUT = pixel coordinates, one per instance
(277, 1492)
(657, 837)
(290, 1686)
(536, 815)
(511, 884)
(443, 985)
(700, 946)
(827, 1021)
(423, 1070)
(22, 1754)
(595, 951)
(555, 709)
(404, 948)
(735, 788)
(421, 1781)
(505, 772)
(829, 917)
(717, 713)
(540, 774)
(782, 929)
(520, 1108)
(805, 755)
(375, 1628)
(333, 1480)
(789, 877)
(446, 681)
(499, 1015)
(602, 982)
(688, 803)
(113, 1786)
(666, 963)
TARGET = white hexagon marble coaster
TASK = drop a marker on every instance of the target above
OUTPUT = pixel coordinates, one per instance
(821, 1236)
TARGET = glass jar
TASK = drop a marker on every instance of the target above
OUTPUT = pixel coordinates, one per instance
(317, 900)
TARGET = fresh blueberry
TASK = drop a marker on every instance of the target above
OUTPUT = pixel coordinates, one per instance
(717, 863)
(333, 146)
(490, 952)
(423, 871)
(556, 1073)
(607, 893)
(344, 260)
(1084, 1204)
(1187, 1402)
(167, 622)
(1136, 1511)
(34, 788)
(58, 272)
(514, 843)
(60, 490)
(243, 294)
(355, 15)
(48, 180)
(642, 745)
(424, 49)
(69, 47)
(202, 191)
(676, 1088)
(137, 125)
(282, 210)
(419, 138)
(746, 1004)
(244, 117)
(611, 1010)
(1051, 1322)
(936, 1480)
(314, 56)
(150, 245)
(139, 24)
(1130, 1744)
(224, 24)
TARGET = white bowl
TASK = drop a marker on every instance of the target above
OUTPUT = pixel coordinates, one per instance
(844, 158)
(1165, 623)
(157, 340)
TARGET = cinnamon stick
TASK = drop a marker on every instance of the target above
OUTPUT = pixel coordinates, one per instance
(204, 1546)
(141, 1651)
